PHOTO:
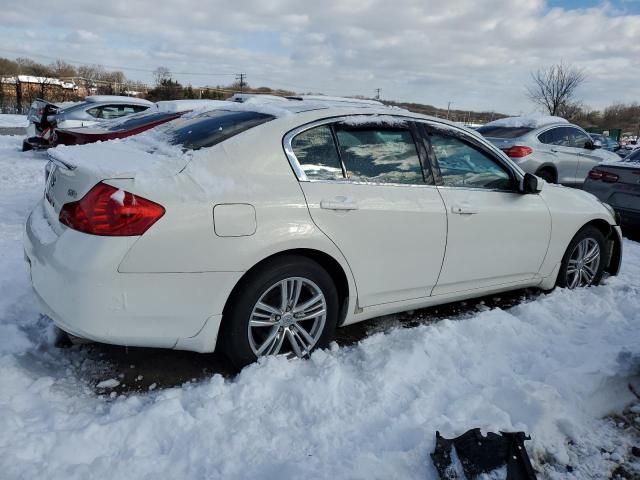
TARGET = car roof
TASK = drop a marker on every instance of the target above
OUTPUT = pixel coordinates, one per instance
(116, 99)
(533, 122)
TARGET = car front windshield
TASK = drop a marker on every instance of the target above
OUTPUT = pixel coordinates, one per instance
(210, 128)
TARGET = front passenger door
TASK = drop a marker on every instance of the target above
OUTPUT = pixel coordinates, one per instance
(497, 236)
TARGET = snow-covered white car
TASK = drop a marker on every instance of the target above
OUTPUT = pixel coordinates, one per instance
(260, 228)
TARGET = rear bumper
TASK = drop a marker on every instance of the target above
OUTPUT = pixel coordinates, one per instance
(77, 284)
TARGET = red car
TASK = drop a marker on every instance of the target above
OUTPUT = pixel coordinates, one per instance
(131, 125)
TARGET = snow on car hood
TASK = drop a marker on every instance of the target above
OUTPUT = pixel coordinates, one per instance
(145, 155)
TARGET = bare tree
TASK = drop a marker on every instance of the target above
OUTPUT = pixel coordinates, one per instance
(161, 75)
(555, 86)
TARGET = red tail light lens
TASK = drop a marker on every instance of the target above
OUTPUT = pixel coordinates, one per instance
(517, 151)
(604, 176)
(108, 211)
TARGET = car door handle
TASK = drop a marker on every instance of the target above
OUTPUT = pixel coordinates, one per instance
(554, 150)
(339, 203)
(464, 209)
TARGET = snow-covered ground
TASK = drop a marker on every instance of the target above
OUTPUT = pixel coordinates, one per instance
(8, 120)
(555, 367)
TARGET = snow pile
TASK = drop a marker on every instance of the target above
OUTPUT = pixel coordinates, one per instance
(536, 121)
(173, 106)
(8, 120)
(551, 367)
(384, 120)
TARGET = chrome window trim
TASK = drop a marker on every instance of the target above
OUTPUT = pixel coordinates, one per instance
(301, 174)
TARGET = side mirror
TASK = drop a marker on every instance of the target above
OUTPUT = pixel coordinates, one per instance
(597, 144)
(529, 184)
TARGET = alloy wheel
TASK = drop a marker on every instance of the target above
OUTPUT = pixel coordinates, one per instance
(289, 317)
(583, 263)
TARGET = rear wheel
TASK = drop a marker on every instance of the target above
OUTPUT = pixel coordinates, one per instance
(287, 307)
(584, 262)
(547, 174)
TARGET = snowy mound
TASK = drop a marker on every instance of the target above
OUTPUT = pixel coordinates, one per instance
(8, 120)
(553, 367)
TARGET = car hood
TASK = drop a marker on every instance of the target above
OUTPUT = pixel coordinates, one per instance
(561, 199)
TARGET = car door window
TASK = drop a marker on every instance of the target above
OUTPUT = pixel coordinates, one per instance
(379, 154)
(317, 154)
(462, 165)
(556, 136)
(577, 138)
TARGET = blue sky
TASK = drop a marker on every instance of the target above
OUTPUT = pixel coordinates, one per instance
(478, 55)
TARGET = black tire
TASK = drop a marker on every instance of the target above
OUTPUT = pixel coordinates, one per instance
(588, 232)
(547, 174)
(235, 323)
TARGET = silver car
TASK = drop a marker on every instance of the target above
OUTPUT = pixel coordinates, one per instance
(549, 147)
(44, 116)
(618, 184)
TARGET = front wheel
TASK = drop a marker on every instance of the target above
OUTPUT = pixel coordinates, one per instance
(288, 306)
(584, 261)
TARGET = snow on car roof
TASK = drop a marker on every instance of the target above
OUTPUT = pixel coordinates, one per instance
(535, 121)
(174, 106)
(116, 99)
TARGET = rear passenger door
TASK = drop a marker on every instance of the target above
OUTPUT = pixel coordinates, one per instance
(367, 190)
(559, 146)
(497, 236)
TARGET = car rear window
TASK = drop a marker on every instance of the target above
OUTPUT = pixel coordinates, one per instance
(211, 128)
(503, 132)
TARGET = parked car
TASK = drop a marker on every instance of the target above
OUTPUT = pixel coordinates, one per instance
(258, 229)
(605, 142)
(158, 114)
(44, 116)
(549, 147)
(618, 184)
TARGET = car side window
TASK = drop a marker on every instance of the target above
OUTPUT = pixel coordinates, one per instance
(379, 154)
(462, 165)
(95, 112)
(317, 154)
(556, 136)
(577, 138)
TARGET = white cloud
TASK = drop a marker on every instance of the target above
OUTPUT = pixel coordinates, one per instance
(476, 54)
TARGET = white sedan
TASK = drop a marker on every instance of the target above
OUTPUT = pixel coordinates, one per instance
(259, 229)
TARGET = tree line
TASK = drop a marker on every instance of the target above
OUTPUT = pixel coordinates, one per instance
(554, 89)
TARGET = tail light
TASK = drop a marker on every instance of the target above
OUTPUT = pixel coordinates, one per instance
(607, 177)
(108, 211)
(517, 151)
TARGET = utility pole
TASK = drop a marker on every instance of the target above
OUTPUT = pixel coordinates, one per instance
(448, 108)
(377, 90)
(240, 77)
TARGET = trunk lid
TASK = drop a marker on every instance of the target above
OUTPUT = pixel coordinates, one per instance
(73, 170)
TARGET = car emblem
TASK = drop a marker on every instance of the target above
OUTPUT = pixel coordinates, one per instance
(72, 193)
